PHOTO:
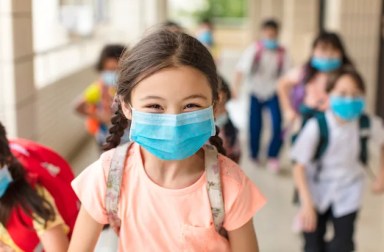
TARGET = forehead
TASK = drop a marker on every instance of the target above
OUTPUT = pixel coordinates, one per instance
(346, 83)
(174, 82)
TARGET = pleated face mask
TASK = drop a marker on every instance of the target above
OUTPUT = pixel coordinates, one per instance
(172, 137)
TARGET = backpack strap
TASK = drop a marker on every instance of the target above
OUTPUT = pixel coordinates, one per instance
(280, 60)
(114, 181)
(256, 61)
(214, 187)
(323, 141)
(364, 125)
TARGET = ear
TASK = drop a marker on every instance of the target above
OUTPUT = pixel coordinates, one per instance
(127, 111)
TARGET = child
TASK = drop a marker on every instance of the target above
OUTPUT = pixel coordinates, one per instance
(302, 90)
(167, 88)
(38, 208)
(261, 65)
(96, 102)
(330, 155)
(228, 132)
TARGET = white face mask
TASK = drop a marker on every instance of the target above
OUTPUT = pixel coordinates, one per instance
(221, 120)
(5, 180)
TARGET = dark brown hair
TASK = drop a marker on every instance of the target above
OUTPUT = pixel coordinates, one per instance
(20, 193)
(159, 50)
(351, 72)
(113, 51)
(328, 38)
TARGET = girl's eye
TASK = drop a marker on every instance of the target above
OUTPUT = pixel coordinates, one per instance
(191, 106)
(154, 107)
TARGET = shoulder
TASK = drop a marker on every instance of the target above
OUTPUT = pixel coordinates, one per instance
(231, 173)
(295, 74)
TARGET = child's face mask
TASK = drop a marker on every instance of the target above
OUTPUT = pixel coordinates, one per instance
(325, 64)
(172, 136)
(5, 180)
(347, 108)
(270, 44)
(109, 78)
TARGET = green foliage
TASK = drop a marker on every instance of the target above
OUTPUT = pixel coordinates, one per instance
(223, 9)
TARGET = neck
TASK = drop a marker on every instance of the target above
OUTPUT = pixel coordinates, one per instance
(339, 120)
(175, 174)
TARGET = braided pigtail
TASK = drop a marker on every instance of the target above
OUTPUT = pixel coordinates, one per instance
(217, 142)
(119, 124)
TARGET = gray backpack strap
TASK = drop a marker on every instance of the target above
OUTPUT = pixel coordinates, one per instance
(214, 187)
(114, 181)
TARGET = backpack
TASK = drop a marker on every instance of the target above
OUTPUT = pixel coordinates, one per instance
(214, 188)
(364, 126)
(259, 54)
(46, 168)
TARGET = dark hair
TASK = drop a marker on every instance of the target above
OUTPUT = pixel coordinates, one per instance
(270, 24)
(20, 193)
(335, 77)
(109, 52)
(159, 50)
(224, 87)
(172, 26)
(332, 39)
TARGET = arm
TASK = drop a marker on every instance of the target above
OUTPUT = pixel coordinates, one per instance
(244, 239)
(284, 88)
(307, 212)
(86, 233)
(55, 239)
(378, 186)
(239, 76)
(81, 108)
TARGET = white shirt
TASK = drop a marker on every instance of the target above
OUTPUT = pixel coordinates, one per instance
(341, 178)
(263, 83)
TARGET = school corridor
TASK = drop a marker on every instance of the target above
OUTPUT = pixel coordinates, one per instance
(48, 50)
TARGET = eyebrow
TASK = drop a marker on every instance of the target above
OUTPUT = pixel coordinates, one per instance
(195, 96)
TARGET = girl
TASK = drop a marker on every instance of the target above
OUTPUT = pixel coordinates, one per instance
(29, 218)
(167, 89)
(95, 103)
(302, 91)
(330, 184)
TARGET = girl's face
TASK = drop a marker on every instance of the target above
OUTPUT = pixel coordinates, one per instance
(326, 51)
(110, 64)
(346, 87)
(171, 91)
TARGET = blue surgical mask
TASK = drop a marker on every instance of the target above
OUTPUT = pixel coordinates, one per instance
(347, 108)
(270, 44)
(221, 120)
(325, 64)
(109, 78)
(206, 37)
(172, 137)
(5, 180)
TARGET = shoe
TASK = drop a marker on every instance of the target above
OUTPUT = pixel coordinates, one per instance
(256, 162)
(273, 165)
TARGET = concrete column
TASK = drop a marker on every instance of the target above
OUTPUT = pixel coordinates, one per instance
(17, 89)
(359, 23)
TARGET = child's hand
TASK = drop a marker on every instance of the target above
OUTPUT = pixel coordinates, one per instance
(308, 218)
(378, 186)
(290, 116)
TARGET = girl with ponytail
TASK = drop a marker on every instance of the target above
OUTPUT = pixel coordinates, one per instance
(166, 94)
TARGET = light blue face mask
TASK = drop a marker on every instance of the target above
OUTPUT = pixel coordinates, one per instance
(172, 137)
(270, 44)
(206, 37)
(109, 78)
(5, 180)
(325, 64)
(347, 108)
(221, 120)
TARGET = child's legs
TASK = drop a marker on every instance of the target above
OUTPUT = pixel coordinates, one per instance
(314, 241)
(344, 229)
(255, 126)
(276, 141)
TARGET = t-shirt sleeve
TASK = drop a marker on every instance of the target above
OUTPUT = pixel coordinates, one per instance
(294, 75)
(377, 131)
(305, 145)
(242, 198)
(90, 187)
(246, 60)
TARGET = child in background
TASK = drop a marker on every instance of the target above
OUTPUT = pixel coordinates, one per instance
(97, 99)
(228, 132)
(259, 67)
(38, 208)
(330, 154)
(168, 99)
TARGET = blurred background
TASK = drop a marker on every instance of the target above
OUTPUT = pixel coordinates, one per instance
(48, 50)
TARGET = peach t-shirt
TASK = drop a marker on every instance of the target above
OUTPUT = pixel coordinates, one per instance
(159, 219)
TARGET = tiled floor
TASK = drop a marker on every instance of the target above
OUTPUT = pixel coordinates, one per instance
(273, 223)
